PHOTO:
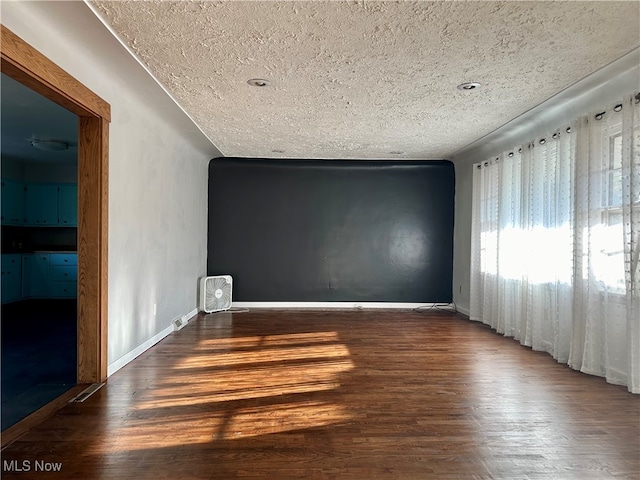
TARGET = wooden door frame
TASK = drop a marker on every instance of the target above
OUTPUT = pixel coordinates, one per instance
(26, 65)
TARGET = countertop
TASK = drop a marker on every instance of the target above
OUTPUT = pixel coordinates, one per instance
(53, 251)
(27, 251)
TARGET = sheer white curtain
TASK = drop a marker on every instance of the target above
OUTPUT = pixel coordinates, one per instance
(556, 242)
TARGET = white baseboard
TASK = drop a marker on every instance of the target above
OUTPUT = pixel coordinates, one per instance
(181, 322)
(189, 316)
(463, 310)
(338, 305)
(140, 349)
(136, 352)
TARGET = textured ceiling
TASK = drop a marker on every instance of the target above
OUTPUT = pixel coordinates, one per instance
(366, 79)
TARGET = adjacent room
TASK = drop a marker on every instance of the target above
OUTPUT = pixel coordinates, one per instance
(39, 250)
(320, 239)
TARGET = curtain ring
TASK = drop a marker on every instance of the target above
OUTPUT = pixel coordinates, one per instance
(617, 108)
(568, 129)
(486, 164)
(543, 141)
(511, 154)
(520, 150)
(479, 166)
(556, 135)
(598, 116)
(637, 97)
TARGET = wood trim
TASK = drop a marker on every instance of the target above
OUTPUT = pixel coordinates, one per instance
(28, 66)
(104, 254)
(14, 432)
(23, 63)
(93, 170)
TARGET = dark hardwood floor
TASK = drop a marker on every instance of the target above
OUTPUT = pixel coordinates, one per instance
(38, 355)
(339, 395)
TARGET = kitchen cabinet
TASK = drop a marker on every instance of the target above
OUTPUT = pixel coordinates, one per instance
(39, 205)
(35, 275)
(63, 275)
(39, 275)
(13, 200)
(68, 205)
(42, 204)
(50, 275)
(11, 278)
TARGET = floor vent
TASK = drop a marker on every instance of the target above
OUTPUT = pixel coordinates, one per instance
(180, 323)
(86, 393)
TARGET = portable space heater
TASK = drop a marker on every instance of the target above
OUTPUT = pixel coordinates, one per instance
(215, 293)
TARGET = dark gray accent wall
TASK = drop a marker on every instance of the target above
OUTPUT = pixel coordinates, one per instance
(324, 230)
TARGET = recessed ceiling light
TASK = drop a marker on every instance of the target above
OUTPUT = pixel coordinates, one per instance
(396, 152)
(48, 145)
(469, 86)
(258, 82)
(277, 150)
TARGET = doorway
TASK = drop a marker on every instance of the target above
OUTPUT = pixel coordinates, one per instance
(24, 64)
(39, 170)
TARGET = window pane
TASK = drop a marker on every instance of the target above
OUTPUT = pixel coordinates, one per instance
(615, 172)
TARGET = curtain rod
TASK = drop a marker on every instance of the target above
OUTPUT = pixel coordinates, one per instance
(598, 116)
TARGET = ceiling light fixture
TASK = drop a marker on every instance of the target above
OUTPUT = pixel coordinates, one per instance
(396, 152)
(469, 86)
(48, 145)
(258, 82)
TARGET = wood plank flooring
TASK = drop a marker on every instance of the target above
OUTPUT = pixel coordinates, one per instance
(339, 395)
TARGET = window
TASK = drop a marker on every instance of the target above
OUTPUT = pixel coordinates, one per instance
(608, 238)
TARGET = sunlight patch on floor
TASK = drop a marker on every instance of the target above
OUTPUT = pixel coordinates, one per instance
(282, 354)
(205, 397)
(168, 431)
(269, 340)
(190, 429)
(251, 422)
(177, 400)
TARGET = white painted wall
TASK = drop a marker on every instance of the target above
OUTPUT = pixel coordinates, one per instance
(601, 89)
(157, 174)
